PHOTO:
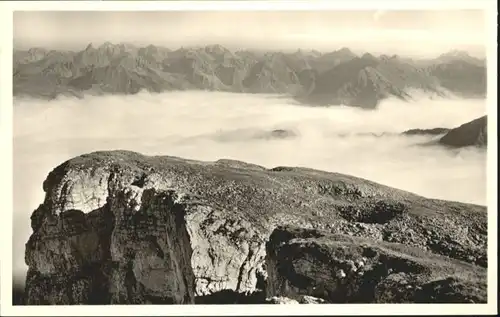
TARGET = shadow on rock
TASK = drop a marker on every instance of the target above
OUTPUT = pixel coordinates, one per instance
(231, 297)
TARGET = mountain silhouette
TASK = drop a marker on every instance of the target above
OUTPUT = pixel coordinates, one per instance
(335, 78)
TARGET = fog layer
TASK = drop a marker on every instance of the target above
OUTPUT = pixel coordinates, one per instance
(212, 126)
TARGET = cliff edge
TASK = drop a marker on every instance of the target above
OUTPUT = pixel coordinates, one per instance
(123, 228)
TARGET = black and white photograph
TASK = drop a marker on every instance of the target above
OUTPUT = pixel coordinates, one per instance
(200, 157)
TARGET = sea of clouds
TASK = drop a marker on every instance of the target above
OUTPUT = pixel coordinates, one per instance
(212, 126)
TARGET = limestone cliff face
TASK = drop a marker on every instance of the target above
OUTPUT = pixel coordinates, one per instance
(120, 227)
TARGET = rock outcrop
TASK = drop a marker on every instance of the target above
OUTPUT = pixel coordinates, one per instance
(344, 269)
(473, 133)
(120, 227)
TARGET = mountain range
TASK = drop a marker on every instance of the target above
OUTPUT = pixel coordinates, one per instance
(312, 77)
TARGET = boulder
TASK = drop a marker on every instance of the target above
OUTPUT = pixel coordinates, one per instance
(303, 299)
(119, 227)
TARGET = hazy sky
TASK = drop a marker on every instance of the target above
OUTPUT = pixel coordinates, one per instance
(410, 32)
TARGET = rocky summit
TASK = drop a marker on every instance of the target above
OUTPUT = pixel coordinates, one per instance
(119, 227)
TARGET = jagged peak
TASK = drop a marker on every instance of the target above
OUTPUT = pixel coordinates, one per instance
(216, 48)
(89, 47)
(126, 46)
(345, 50)
(106, 45)
(386, 57)
(368, 56)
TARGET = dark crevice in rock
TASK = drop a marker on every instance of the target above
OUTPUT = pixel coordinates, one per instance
(181, 240)
(130, 281)
(139, 181)
(261, 278)
(99, 293)
(242, 269)
(369, 252)
(64, 196)
(155, 246)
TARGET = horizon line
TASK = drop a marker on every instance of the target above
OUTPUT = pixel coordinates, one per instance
(136, 44)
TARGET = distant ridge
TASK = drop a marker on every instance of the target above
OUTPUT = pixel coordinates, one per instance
(472, 133)
(333, 78)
